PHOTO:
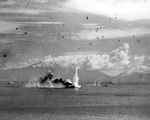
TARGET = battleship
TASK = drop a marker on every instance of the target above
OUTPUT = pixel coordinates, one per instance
(48, 82)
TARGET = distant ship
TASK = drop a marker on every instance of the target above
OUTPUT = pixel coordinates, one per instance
(9, 82)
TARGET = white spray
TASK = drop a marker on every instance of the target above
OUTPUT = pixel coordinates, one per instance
(76, 78)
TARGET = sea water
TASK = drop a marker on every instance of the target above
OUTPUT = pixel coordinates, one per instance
(112, 102)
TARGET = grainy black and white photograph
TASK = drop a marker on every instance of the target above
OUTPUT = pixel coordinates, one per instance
(74, 60)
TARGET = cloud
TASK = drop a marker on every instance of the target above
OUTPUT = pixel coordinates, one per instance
(7, 2)
(28, 7)
(89, 25)
(43, 22)
(65, 61)
(98, 61)
(23, 11)
(121, 54)
(113, 63)
(129, 10)
(108, 33)
(139, 64)
(118, 60)
(40, 1)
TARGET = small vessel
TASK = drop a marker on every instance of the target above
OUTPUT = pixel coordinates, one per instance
(96, 83)
(10, 82)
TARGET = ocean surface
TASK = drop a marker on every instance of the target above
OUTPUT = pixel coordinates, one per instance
(108, 102)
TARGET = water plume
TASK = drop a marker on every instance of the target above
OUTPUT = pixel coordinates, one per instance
(76, 78)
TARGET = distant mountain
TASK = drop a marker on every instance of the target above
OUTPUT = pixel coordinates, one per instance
(93, 75)
(135, 77)
(27, 73)
(23, 74)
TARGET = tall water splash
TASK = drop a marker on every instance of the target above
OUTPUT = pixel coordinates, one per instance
(76, 78)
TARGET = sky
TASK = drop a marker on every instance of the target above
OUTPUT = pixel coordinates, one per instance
(111, 36)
